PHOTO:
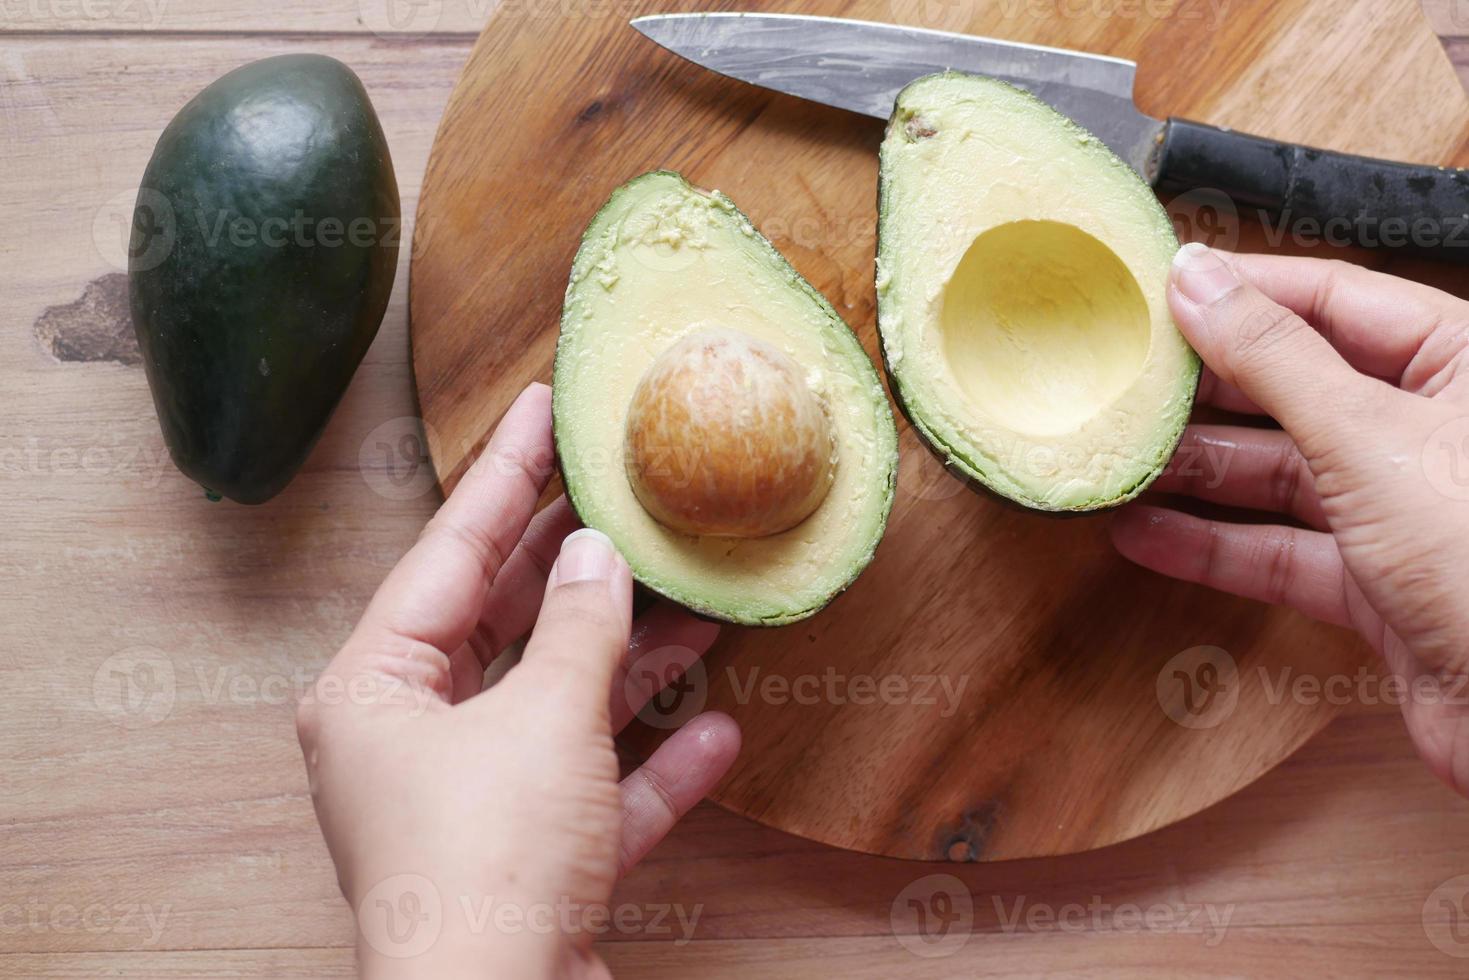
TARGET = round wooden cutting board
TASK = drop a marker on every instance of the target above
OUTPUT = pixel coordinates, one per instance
(998, 684)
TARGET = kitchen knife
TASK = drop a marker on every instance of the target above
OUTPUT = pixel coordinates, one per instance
(1334, 197)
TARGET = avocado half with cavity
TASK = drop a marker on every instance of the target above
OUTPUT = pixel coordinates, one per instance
(1021, 276)
(714, 416)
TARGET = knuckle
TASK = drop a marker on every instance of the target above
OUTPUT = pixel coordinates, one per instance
(1285, 483)
(660, 791)
(422, 667)
(1262, 329)
(586, 606)
(1277, 558)
(482, 546)
(1212, 558)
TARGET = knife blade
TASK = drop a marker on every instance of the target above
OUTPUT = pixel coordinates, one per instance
(861, 66)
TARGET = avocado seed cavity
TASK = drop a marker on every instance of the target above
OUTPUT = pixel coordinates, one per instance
(725, 438)
(1043, 326)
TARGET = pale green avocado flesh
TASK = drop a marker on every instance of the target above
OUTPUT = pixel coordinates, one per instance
(660, 261)
(1021, 275)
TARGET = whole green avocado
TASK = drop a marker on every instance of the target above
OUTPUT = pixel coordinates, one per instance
(262, 254)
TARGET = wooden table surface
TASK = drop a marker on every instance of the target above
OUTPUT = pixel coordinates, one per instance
(154, 820)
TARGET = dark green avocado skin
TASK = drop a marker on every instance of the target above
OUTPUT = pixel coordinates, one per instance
(264, 245)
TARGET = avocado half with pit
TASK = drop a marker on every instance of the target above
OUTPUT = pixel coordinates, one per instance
(714, 416)
(1021, 276)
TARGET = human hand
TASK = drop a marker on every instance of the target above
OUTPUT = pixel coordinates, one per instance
(429, 790)
(1366, 374)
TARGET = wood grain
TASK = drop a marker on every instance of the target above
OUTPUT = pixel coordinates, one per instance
(201, 816)
(1450, 21)
(1027, 656)
(391, 21)
(1256, 952)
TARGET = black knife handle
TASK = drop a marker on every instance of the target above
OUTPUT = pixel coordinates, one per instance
(1318, 196)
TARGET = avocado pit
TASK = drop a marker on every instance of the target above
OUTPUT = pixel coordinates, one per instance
(725, 438)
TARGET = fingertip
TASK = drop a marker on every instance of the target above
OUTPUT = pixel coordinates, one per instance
(1131, 527)
(680, 773)
(586, 555)
(1202, 275)
(521, 443)
(533, 403)
(1198, 279)
(702, 751)
(717, 734)
(1188, 318)
(536, 392)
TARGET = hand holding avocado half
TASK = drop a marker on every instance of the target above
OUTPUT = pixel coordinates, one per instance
(432, 793)
(1373, 403)
(448, 804)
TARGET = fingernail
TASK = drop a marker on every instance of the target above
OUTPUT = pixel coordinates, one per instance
(1201, 275)
(586, 556)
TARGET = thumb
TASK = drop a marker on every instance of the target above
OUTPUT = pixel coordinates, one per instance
(582, 632)
(1271, 355)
